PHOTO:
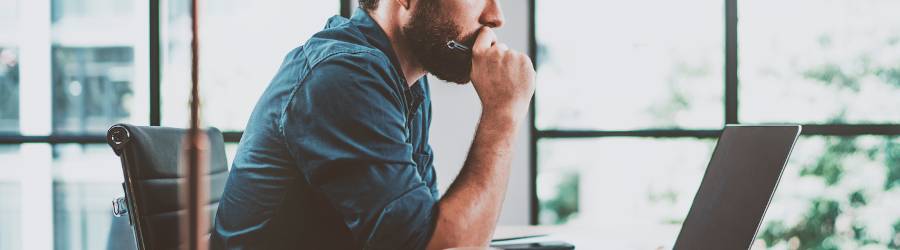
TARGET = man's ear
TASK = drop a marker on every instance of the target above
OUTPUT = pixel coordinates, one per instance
(405, 3)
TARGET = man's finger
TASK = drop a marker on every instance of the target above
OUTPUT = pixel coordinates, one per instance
(486, 38)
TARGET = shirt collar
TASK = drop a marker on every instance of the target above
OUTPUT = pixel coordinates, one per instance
(374, 34)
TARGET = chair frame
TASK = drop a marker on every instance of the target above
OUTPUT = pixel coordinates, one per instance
(118, 137)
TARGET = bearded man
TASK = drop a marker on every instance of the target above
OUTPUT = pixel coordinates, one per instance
(336, 153)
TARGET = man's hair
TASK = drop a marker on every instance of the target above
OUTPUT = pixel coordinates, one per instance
(368, 4)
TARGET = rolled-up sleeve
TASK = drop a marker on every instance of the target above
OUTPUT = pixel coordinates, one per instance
(345, 125)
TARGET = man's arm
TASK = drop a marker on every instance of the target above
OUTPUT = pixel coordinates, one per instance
(504, 81)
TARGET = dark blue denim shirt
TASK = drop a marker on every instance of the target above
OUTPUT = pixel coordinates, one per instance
(336, 154)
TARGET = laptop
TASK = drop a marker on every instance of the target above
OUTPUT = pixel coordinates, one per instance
(738, 185)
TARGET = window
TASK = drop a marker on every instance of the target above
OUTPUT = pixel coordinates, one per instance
(240, 53)
(95, 45)
(656, 188)
(646, 74)
(838, 64)
(85, 179)
(69, 69)
(634, 96)
(79, 65)
(837, 193)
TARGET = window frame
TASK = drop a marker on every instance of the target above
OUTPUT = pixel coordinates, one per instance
(731, 82)
(155, 79)
(40, 181)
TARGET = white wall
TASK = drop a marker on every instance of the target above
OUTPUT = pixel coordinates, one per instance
(455, 114)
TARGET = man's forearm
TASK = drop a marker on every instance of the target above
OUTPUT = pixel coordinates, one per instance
(469, 210)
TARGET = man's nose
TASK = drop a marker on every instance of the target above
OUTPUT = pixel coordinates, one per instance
(492, 15)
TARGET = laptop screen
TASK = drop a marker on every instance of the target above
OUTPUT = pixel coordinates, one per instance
(737, 187)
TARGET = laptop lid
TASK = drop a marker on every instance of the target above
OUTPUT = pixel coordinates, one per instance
(737, 187)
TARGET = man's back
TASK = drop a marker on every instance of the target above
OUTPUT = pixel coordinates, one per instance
(335, 154)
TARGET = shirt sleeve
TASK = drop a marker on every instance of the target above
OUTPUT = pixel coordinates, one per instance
(345, 125)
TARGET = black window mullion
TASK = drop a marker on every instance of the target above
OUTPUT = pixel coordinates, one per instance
(346, 8)
(155, 63)
(851, 129)
(534, 135)
(731, 62)
(52, 139)
(808, 129)
(657, 133)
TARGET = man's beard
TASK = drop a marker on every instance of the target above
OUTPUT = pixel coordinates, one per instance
(427, 35)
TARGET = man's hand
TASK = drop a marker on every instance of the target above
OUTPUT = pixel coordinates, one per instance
(468, 212)
(503, 78)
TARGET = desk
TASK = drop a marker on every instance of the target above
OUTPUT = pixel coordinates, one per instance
(647, 237)
(589, 237)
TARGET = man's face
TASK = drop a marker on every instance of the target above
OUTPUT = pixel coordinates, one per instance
(435, 22)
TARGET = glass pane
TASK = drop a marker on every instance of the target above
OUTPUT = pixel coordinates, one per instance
(10, 216)
(9, 89)
(813, 61)
(82, 180)
(837, 193)
(661, 70)
(9, 68)
(85, 181)
(620, 183)
(11, 193)
(241, 47)
(94, 72)
(8, 21)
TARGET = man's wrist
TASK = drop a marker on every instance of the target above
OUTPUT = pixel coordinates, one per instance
(495, 115)
(512, 110)
(498, 123)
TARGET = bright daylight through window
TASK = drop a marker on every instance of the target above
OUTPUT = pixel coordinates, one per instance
(657, 83)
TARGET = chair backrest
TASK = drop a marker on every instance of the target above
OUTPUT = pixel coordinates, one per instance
(150, 159)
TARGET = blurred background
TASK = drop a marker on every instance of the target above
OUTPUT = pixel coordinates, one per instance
(631, 96)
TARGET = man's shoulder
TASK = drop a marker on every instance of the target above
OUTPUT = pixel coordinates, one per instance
(343, 43)
(339, 61)
(339, 56)
(344, 63)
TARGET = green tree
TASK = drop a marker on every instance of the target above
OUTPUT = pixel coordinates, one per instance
(817, 228)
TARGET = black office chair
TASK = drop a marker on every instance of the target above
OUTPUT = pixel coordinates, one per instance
(150, 157)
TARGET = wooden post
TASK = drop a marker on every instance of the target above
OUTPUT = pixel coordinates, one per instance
(198, 147)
